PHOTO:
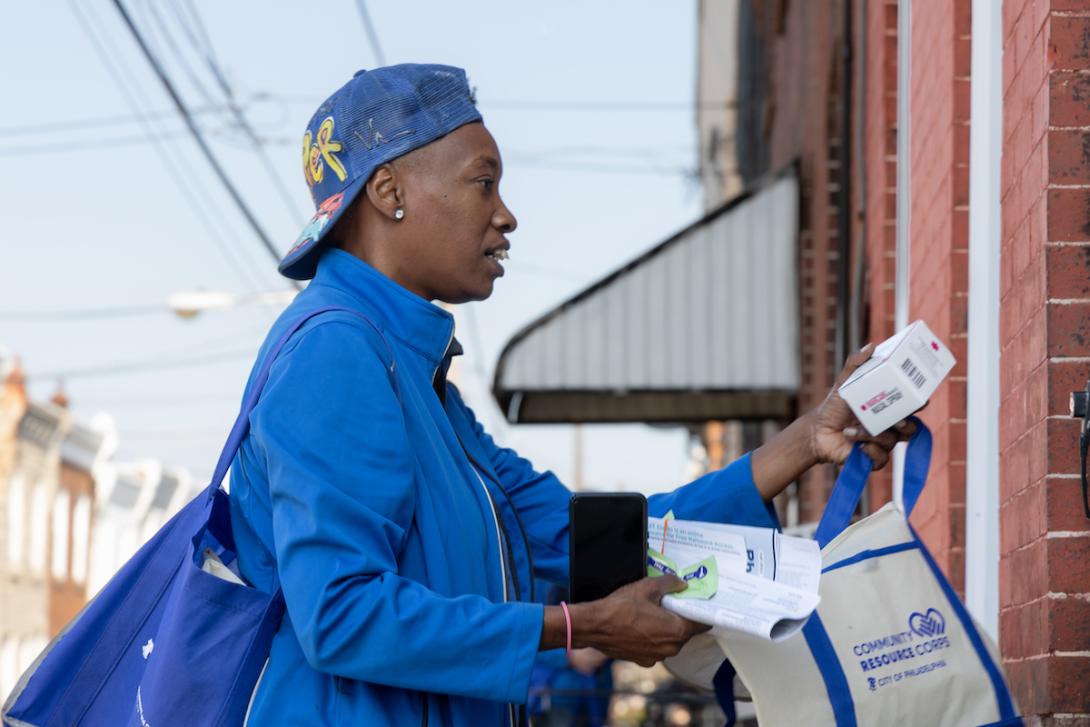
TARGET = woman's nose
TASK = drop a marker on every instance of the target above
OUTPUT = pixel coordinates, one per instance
(504, 220)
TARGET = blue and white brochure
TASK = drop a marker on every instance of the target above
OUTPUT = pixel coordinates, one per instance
(767, 582)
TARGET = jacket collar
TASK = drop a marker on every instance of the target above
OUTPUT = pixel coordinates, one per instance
(422, 326)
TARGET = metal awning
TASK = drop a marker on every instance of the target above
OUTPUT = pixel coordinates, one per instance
(703, 326)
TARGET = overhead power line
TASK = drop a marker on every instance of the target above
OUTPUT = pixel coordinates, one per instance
(204, 48)
(77, 314)
(563, 105)
(177, 169)
(372, 36)
(155, 26)
(199, 139)
(607, 106)
(134, 367)
(23, 150)
(98, 122)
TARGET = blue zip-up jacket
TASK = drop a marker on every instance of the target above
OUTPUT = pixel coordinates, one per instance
(401, 534)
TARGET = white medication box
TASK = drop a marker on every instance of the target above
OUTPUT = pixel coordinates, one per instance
(898, 378)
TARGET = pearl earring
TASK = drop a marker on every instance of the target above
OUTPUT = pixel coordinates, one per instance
(399, 214)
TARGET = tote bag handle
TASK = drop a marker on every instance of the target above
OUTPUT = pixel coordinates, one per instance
(242, 424)
(853, 478)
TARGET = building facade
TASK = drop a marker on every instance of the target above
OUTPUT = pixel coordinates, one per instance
(923, 196)
(69, 515)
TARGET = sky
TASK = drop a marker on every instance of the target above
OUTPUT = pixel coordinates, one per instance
(591, 107)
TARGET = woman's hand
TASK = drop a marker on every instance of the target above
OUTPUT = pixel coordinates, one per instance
(834, 428)
(825, 434)
(628, 624)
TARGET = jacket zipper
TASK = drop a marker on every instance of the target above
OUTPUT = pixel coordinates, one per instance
(499, 534)
(512, 719)
(499, 542)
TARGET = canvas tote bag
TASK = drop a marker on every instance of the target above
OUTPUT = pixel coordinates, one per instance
(891, 642)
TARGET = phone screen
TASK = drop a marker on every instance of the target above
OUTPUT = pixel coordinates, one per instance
(608, 543)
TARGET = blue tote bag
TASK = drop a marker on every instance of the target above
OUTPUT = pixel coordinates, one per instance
(166, 643)
(891, 642)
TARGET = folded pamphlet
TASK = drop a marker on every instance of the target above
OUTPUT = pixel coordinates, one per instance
(756, 581)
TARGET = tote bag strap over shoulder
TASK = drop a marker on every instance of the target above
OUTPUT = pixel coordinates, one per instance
(853, 478)
(242, 424)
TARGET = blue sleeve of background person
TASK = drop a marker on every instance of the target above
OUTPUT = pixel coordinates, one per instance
(341, 485)
(727, 495)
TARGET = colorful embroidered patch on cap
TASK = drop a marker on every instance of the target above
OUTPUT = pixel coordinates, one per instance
(376, 117)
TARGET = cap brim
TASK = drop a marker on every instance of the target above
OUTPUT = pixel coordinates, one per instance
(301, 261)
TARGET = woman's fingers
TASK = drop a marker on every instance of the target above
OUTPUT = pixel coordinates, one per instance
(879, 456)
(854, 361)
(879, 447)
(902, 431)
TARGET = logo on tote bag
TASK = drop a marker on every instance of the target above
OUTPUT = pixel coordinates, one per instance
(925, 636)
(927, 624)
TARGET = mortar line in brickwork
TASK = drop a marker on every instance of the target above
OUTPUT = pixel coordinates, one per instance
(1024, 546)
(1034, 657)
(1067, 243)
(1067, 301)
(1060, 534)
(1052, 185)
(1063, 596)
(1070, 13)
(1063, 417)
(1069, 128)
(1071, 653)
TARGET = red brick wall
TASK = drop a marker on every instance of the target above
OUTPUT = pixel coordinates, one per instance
(878, 54)
(939, 156)
(1045, 335)
(803, 124)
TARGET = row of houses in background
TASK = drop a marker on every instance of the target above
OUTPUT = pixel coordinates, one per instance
(69, 515)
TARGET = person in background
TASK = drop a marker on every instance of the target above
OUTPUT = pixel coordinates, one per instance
(569, 690)
(404, 538)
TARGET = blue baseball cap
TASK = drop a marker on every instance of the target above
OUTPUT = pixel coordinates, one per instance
(376, 117)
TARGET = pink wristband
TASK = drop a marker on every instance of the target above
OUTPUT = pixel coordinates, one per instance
(567, 622)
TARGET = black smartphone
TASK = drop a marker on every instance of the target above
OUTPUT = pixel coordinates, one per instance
(607, 542)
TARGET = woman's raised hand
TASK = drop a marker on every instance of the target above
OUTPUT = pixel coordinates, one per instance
(834, 428)
(825, 434)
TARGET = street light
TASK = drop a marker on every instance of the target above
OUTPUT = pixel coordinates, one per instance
(190, 304)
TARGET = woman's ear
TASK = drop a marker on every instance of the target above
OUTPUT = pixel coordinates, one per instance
(384, 191)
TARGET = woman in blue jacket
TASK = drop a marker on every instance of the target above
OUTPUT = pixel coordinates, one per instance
(404, 538)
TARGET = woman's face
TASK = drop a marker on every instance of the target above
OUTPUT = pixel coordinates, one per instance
(455, 221)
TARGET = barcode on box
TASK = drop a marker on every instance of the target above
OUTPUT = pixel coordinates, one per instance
(914, 375)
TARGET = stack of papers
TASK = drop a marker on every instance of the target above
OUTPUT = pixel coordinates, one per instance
(751, 580)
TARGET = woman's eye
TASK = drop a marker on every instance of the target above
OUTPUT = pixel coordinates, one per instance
(487, 184)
